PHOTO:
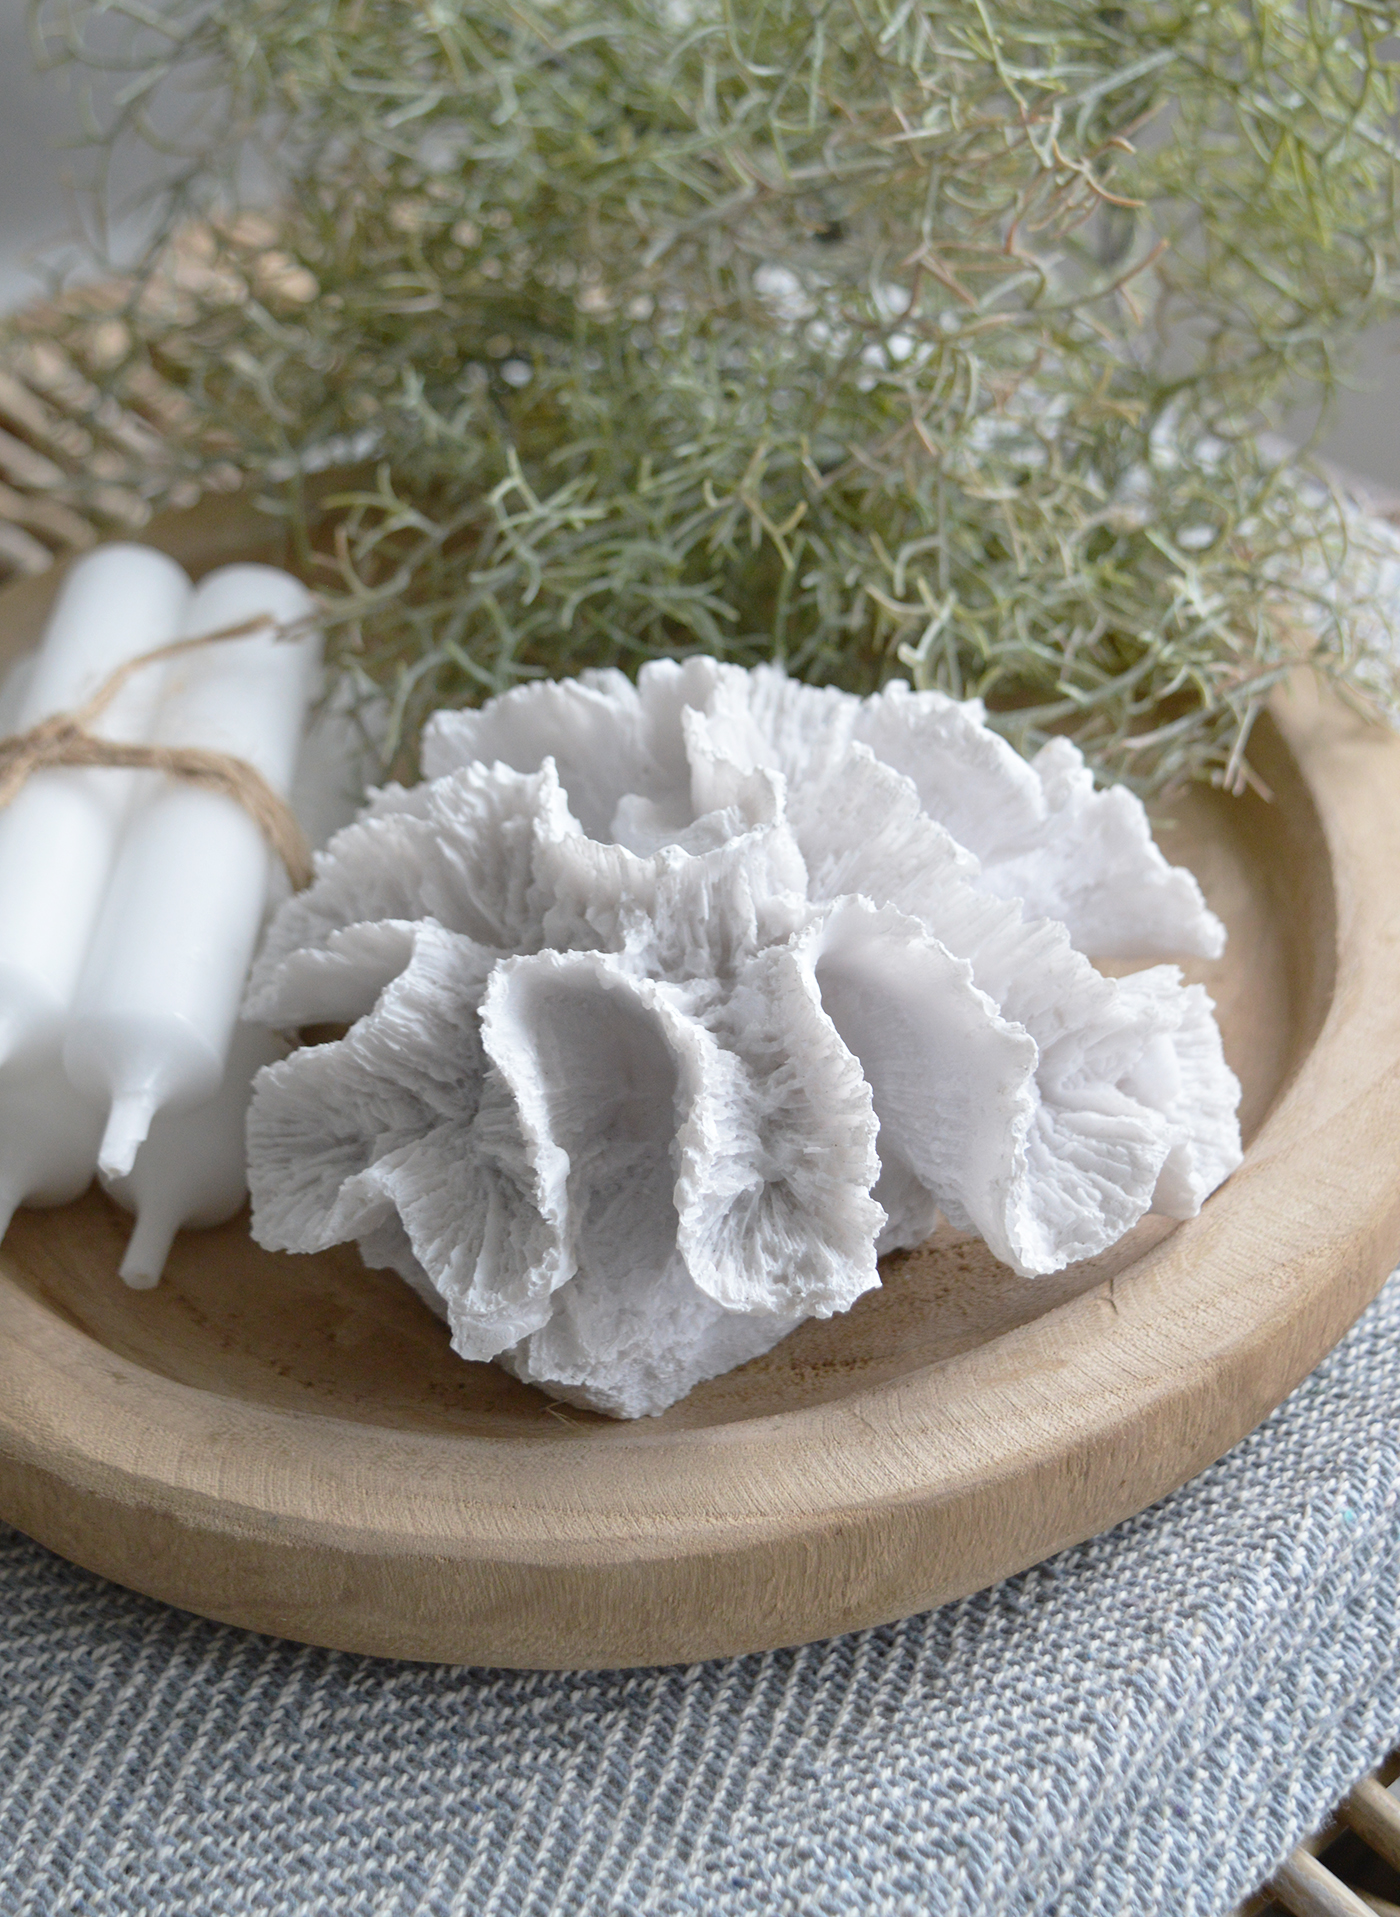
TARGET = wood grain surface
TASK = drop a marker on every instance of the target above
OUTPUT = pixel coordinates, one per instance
(289, 1443)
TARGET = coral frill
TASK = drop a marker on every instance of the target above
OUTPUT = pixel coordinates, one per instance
(671, 1006)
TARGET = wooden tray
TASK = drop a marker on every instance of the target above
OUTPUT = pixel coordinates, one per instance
(288, 1444)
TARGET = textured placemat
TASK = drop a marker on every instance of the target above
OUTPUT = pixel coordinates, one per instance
(1148, 1723)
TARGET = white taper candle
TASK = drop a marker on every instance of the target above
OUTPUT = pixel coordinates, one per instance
(159, 997)
(58, 836)
(192, 1170)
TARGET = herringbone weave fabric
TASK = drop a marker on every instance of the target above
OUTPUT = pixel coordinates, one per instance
(1146, 1724)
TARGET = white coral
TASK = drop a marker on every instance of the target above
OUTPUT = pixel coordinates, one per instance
(673, 1004)
(1040, 830)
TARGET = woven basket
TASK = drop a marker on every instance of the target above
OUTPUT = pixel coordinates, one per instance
(78, 465)
(1351, 1867)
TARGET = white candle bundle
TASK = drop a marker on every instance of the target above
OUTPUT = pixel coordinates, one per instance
(159, 996)
(59, 835)
(126, 928)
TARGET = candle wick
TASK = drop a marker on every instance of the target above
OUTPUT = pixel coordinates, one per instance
(126, 1131)
(147, 1249)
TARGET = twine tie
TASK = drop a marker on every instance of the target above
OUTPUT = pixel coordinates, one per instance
(65, 739)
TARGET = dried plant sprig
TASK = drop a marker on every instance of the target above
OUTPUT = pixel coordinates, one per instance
(871, 335)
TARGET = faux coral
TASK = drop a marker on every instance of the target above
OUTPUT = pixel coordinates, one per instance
(672, 1005)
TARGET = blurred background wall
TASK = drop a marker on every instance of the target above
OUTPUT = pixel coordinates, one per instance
(37, 114)
(33, 116)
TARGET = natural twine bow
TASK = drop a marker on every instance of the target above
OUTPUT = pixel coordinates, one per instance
(65, 740)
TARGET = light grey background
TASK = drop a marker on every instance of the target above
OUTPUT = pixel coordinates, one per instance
(37, 208)
(33, 117)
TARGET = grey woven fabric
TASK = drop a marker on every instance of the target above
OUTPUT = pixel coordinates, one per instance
(1147, 1723)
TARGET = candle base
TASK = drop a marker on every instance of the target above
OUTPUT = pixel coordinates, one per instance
(126, 1131)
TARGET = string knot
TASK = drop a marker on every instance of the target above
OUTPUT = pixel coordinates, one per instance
(65, 739)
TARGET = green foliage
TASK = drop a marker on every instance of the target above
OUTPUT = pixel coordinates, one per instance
(871, 335)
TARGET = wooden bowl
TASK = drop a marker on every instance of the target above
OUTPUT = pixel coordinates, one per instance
(289, 1444)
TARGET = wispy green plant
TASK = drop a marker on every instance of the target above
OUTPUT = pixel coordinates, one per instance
(876, 336)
